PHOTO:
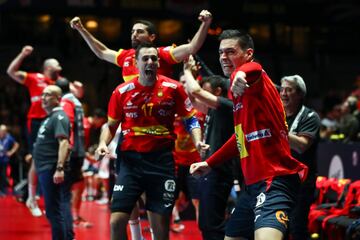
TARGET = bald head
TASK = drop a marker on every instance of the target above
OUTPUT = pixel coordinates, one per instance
(3, 131)
(51, 97)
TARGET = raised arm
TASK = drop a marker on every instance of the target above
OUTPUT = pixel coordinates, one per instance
(13, 69)
(98, 48)
(202, 99)
(185, 50)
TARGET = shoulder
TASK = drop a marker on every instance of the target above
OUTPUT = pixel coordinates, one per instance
(168, 82)
(124, 87)
(311, 114)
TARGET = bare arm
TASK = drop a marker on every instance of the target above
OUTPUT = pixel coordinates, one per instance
(13, 69)
(63, 155)
(183, 51)
(299, 143)
(98, 48)
(13, 150)
(106, 135)
(204, 99)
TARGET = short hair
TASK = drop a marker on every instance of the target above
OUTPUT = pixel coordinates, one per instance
(150, 27)
(63, 84)
(100, 113)
(216, 81)
(298, 81)
(245, 40)
(143, 45)
(52, 62)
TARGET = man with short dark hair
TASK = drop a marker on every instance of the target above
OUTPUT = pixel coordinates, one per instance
(146, 107)
(271, 175)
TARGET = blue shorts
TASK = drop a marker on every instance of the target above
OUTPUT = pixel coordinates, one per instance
(152, 173)
(264, 204)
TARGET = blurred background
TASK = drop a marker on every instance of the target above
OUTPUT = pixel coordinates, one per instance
(317, 39)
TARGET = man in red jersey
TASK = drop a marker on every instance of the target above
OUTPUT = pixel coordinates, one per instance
(145, 31)
(272, 176)
(146, 107)
(35, 82)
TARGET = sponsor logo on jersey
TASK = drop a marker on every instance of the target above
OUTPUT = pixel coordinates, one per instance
(169, 84)
(237, 106)
(164, 113)
(127, 88)
(170, 185)
(282, 217)
(118, 188)
(256, 135)
(188, 105)
(260, 199)
(131, 114)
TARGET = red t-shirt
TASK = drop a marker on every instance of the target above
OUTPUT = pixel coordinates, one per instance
(185, 152)
(126, 60)
(69, 108)
(261, 131)
(147, 114)
(36, 82)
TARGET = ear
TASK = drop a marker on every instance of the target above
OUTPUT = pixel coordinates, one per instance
(218, 91)
(152, 37)
(249, 54)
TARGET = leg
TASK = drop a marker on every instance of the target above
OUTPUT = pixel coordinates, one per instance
(32, 183)
(118, 223)
(268, 233)
(134, 223)
(53, 204)
(160, 225)
(214, 193)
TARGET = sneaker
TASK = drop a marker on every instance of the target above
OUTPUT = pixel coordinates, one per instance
(102, 201)
(177, 227)
(33, 207)
(80, 222)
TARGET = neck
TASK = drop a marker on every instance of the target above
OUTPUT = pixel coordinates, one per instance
(147, 81)
(291, 111)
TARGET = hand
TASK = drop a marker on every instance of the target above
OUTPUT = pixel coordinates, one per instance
(239, 84)
(202, 147)
(101, 151)
(205, 16)
(28, 158)
(27, 50)
(58, 177)
(199, 169)
(75, 23)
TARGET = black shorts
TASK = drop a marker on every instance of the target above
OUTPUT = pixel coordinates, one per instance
(264, 204)
(152, 173)
(187, 183)
(76, 173)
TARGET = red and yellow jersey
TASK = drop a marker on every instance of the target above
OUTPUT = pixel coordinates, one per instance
(185, 152)
(147, 113)
(36, 82)
(261, 130)
(126, 60)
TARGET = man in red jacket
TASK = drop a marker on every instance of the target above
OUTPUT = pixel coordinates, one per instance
(272, 176)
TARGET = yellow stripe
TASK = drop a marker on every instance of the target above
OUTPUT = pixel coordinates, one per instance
(157, 130)
(171, 53)
(129, 77)
(116, 56)
(240, 139)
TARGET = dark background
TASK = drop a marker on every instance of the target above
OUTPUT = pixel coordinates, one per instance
(317, 39)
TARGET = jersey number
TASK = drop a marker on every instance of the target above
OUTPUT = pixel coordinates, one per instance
(147, 108)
